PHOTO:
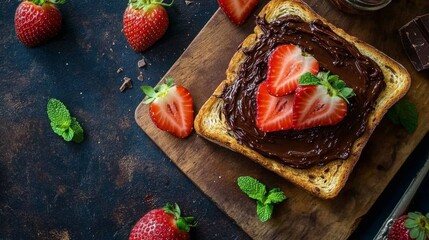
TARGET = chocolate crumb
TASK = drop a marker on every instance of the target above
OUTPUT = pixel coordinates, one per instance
(126, 84)
(188, 3)
(141, 63)
(140, 77)
(119, 70)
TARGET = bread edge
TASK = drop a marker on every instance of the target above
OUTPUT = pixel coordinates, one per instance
(345, 166)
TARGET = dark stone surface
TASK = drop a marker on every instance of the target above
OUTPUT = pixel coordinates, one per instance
(52, 189)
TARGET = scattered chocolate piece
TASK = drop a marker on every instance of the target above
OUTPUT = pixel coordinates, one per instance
(141, 63)
(126, 84)
(188, 3)
(415, 39)
(140, 77)
(119, 70)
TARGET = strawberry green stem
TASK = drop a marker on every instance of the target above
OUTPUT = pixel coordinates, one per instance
(418, 224)
(152, 93)
(146, 4)
(334, 85)
(41, 2)
(182, 223)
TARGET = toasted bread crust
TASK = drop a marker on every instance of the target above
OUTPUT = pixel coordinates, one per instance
(323, 181)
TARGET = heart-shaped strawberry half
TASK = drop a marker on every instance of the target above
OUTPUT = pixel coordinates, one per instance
(273, 113)
(285, 65)
(320, 100)
(171, 108)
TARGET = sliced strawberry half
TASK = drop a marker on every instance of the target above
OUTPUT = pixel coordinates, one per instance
(237, 10)
(285, 65)
(171, 108)
(314, 107)
(320, 101)
(273, 113)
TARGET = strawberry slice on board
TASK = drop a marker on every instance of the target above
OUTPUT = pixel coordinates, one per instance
(273, 113)
(285, 65)
(237, 10)
(171, 108)
(320, 101)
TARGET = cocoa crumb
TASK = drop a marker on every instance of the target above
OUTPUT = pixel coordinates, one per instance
(120, 70)
(141, 63)
(126, 84)
(140, 77)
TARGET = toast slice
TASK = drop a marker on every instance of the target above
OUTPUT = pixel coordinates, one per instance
(323, 181)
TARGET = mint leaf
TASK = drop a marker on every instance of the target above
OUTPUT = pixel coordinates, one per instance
(347, 92)
(264, 211)
(393, 115)
(331, 78)
(68, 134)
(78, 131)
(62, 123)
(58, 130)
(334, 85)
(404, 112)
(338, 84)
(265, 202)
(324, 76)
(252, 187)
(308, 79)
(275, 195)
(58, 113)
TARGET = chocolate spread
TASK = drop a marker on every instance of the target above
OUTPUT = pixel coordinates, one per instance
(313, 146)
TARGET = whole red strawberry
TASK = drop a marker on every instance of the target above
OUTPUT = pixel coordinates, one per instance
(145, 22)
(414, 225)
(171, 108)
(163, 224)
(37, 21)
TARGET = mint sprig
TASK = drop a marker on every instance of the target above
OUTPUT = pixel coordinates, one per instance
(333, 83)
(62, 123)
(404, 113)
(264, 201)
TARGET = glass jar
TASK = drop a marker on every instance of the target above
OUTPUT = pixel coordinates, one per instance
(360, 6)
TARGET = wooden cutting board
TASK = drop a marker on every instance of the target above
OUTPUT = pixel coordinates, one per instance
(302, 216)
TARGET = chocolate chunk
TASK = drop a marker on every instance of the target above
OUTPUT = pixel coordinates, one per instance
(415, 39)
(126, 84)
(141, 63)
(140, 77)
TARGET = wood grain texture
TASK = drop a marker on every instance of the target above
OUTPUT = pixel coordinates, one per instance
(215, 169)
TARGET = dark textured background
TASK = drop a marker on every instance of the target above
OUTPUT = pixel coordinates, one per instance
(52, 189)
